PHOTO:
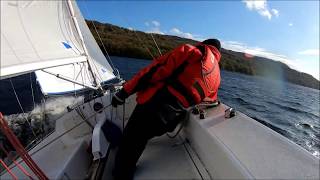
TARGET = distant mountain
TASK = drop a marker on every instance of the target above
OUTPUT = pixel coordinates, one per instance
(123, 42)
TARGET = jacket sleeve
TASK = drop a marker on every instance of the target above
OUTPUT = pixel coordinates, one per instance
(158, 70)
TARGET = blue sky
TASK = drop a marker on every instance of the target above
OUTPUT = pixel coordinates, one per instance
(286, 31)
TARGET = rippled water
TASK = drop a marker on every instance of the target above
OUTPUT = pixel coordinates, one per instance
(289, 109)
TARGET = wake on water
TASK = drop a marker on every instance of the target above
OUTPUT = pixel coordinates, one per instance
(41, 120)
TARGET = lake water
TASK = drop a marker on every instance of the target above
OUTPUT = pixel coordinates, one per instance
(289, 109)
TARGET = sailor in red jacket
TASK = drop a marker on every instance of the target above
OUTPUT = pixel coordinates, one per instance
(177, 80)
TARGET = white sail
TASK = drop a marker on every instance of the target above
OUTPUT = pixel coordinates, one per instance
(101, 65)
(78, 72)
(37, 35)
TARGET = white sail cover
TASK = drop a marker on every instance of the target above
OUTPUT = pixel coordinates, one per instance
(77, 72)
(37, 35)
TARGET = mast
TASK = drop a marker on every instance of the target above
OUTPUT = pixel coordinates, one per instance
(75, 21)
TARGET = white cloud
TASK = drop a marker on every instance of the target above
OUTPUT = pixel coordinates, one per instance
(130, 28)
(265, 13)
(275, 12)
(178, 32)
(155, 23)
(175, 31)
(310, 52)
(261, 7)
(154, 27)
(257, 51)
(290, 24)
(155, 31)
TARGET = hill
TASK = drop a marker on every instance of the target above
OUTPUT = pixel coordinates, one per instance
(136, 44)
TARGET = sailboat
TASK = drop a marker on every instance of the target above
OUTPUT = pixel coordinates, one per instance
(51, 38)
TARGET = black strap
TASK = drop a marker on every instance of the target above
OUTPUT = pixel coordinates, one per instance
(197, 86)
(175, 84)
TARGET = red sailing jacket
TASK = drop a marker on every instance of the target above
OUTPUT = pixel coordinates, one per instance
(187, 73)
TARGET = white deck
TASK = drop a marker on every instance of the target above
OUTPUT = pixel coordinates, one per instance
(165, 158)
(242, 148)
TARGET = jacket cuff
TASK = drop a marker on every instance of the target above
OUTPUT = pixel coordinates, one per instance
(122, 94)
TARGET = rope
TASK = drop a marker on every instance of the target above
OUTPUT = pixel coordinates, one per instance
(83, 117)
(17, 98)
(156, 44)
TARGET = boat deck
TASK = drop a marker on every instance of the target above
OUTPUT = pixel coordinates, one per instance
(165, 158)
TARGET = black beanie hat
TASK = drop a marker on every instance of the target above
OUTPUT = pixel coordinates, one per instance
(213, 42)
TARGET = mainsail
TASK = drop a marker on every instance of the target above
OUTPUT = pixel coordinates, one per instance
(37, 35)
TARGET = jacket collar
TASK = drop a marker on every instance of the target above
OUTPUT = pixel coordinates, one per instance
(213, 49)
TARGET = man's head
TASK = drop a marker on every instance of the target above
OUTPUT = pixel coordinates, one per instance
(213, 42)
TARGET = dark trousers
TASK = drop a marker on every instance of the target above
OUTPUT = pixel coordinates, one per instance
(145, 123)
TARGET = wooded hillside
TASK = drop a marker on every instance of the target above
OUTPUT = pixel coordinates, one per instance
(136, 44)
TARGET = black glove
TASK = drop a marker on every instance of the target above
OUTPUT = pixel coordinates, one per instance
(119, 98)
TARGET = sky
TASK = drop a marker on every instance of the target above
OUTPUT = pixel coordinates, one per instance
(286, 31)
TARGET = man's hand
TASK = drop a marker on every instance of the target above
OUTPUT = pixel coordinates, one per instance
(119, 98)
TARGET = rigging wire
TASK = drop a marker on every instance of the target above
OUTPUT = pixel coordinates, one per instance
(136, 34)
(156, 44)
(17, 98)
(143, 44)
(74, 84)
(81, 74)
(34, 104)
(100, 39)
